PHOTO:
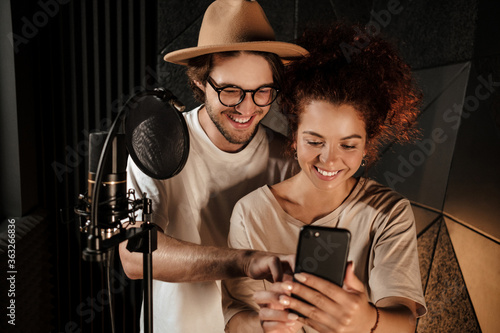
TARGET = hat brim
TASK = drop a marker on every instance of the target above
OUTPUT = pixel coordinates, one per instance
(286, 51)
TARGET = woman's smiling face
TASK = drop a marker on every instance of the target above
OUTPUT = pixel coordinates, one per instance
(330, 143)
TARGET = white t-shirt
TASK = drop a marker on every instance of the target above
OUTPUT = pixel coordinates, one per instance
(383, 242)
(195, 206)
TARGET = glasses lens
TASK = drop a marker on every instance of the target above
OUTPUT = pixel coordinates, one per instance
(264, 96)
(231, 96)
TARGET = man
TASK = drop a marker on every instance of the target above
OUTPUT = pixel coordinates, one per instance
(230, 155)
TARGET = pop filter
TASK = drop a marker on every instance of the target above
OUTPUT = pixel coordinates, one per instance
(156, 133)
(157, 140)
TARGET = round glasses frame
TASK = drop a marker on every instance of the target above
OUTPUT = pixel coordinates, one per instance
(243, 93)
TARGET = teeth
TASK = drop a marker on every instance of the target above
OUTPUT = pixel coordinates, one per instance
(240, 120)
(326, 173)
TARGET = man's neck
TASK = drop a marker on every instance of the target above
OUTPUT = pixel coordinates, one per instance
(215, 135)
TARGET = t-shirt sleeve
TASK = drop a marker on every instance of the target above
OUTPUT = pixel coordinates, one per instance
(237, 294)
(394, 265)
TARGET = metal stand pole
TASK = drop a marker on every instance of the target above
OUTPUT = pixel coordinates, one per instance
(148, 284)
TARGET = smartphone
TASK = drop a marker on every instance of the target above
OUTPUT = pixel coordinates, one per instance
(323, 251)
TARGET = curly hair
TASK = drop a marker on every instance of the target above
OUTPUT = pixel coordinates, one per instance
(346, 65)
(199, 68)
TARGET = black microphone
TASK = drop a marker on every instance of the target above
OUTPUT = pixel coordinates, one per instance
(113, 201)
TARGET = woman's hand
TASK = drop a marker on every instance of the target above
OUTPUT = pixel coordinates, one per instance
(274, 318)
(332, 308)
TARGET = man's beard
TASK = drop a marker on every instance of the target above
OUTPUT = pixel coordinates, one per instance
(244, 138)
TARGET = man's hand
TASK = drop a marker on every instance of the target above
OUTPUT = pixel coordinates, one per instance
(269, 266)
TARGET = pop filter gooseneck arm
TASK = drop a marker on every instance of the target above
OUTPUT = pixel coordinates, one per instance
(155, 128)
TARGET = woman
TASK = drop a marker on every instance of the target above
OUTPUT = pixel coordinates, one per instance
(343, 102)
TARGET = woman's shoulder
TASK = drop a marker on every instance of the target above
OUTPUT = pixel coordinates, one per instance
(258, 197)
(383, 206)
(379, 194)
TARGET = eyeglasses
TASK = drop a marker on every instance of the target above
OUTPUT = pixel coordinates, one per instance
(233, 95)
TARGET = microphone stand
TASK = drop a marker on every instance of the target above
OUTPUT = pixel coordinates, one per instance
(142, 239)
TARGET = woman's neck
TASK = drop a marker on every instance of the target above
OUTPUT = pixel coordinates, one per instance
(305, 202)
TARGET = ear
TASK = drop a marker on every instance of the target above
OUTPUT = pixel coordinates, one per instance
(199, 85)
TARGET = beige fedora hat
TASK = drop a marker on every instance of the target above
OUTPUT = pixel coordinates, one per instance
(236, 25)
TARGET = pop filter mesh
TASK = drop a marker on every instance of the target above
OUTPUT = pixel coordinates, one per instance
(156, 135)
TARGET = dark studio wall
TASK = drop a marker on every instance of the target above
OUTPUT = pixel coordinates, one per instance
(68, 65)
(71, 65)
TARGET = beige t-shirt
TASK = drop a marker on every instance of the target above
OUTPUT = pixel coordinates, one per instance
(195, 206)
(383, 242)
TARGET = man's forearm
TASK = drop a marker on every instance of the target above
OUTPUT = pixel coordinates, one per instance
(178, 261)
